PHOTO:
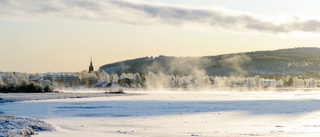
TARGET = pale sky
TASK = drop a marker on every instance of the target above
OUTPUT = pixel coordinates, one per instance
(61, 35)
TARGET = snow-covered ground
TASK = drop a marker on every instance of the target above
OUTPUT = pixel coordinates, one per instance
(13, 126)
(179, 113)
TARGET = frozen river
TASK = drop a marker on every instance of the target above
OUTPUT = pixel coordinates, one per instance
(158, 114)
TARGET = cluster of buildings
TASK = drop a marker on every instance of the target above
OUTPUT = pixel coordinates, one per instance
(58, 78)
(89, 78)
(68, 79)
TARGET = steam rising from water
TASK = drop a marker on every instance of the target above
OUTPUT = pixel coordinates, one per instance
(179, 66)
(235, 64)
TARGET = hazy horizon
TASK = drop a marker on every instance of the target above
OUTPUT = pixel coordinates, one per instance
(61, 36)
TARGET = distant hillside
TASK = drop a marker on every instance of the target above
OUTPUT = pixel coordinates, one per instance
(303, 62)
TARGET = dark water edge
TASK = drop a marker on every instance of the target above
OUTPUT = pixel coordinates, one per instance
(17, 97)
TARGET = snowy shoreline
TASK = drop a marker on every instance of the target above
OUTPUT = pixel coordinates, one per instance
(179, 113)
(15, 126)
(17, 97)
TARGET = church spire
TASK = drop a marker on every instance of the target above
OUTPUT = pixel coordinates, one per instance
(91, 61)
(91, 66)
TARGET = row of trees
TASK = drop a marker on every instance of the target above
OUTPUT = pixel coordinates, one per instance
(167, 81)
(109, 78)
(19, 82)
(26, 87)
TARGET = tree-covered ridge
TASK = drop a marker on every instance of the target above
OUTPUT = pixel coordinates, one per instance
(303, 62)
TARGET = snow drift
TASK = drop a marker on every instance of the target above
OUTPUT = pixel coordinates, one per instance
(13, 126)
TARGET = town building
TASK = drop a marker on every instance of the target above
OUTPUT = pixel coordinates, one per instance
(91, 69)
(72, 79)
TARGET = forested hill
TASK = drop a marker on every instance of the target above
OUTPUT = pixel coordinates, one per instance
(304, 62)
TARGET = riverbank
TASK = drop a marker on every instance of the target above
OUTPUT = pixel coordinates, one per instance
(16, 97)
(15, 126)
(179, 114)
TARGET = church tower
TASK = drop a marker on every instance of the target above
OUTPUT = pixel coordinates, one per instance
(91, 66)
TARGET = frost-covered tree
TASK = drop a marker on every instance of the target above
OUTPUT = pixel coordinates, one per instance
(131, 75)
(123, 75)
(40, 82)
(219, 82)
(1, 81)
(298, 82)
(280, 83)
(311, 83)
(273, 83)
(48, 88)
(206, 81)
(258, 81)
(105, 76)
(13, 80)
(251, 82)
(289, 81)
(92, 75)
(47, 82)
(137, 77)
(114, 78)
(34, 87)
(83, 74)
(21, 77)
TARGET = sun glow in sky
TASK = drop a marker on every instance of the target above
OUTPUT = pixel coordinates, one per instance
(60, 36)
